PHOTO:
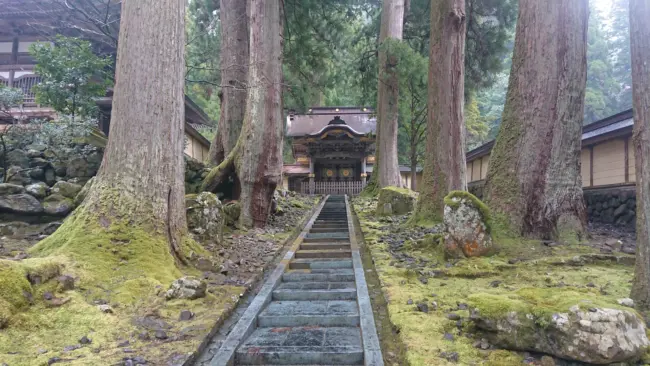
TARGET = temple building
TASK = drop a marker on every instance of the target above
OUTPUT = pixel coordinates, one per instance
(24, 22)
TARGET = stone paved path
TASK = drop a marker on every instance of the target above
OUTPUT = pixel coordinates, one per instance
(317, 310)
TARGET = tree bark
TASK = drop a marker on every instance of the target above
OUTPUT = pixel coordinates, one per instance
(386, 168)
(444, 165)
(640, 47)
(140, 185)
(534, 179)
(257, 157)
(234, 74)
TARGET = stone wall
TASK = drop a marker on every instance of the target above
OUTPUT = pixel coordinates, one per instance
(612, 205)
(604, 205)
(41, 185)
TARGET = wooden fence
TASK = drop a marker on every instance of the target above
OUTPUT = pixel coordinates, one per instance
(351, 188)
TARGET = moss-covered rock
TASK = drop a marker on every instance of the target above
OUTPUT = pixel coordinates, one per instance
(66, 189)
(565, 323)
(15, 290)
(205, 217)
(38, 189)
(20, 204)
(395, 201)
(231, 211)
(58, 205)
(8, 188)
(467, 226)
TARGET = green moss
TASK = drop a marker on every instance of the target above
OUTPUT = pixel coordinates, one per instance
(107, 256)
(542, 303)
(454, 198)
(503, 286)
(504, 358)
(402, 200)
(14, 286)
(231, 211)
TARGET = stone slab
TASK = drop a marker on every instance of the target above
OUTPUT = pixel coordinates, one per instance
(247, 323)
(303, 345)
(338, 253)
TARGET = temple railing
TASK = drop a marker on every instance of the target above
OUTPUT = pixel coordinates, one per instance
(351, 188)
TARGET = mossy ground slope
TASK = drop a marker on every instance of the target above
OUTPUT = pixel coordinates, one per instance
(522, 273)
(129, 270)
(118, 266)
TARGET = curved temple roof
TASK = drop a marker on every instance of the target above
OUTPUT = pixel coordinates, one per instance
(360, 121)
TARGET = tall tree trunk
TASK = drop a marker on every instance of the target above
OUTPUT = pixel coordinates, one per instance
(234, 74)
(386, 168)
(257, 157)
(137, 198)
(444, 165)
(533, 179)
(640, 43)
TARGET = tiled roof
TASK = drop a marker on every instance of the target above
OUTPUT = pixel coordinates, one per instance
(12, 8)
(611, 124)
(356, 118)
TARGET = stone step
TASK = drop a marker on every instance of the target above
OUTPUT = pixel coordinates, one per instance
(320, 264)
(305, 291)
(335, 235)
(302, 346)
(310, 313)
(337, 239)
(340, 253)
(324, 246)
(318, 230)
(341, 275)
(342, 226)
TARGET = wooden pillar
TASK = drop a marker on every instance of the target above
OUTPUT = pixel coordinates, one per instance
(627, 160)
(14, 61)
(363, 171)
(591, 166)
(311, 176)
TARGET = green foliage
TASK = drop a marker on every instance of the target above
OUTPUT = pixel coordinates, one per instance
(322, 38)
(73, 77)
(476, 125)
(9, 98)
(203, 56)
(603, 89)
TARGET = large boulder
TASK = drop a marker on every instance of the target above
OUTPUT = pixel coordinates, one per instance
(8, 188)
(395, 201)
(467, 226)
(58, 205)
(205, 216)
(66, 189)
(38, 189)
(18, 176)
(20, 204)
(186, 288)
(567, 324)
(18, 157)
(78, 167)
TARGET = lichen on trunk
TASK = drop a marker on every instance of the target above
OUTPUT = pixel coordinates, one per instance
(533, 178)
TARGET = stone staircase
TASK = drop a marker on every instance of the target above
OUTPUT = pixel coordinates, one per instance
(312, 316)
